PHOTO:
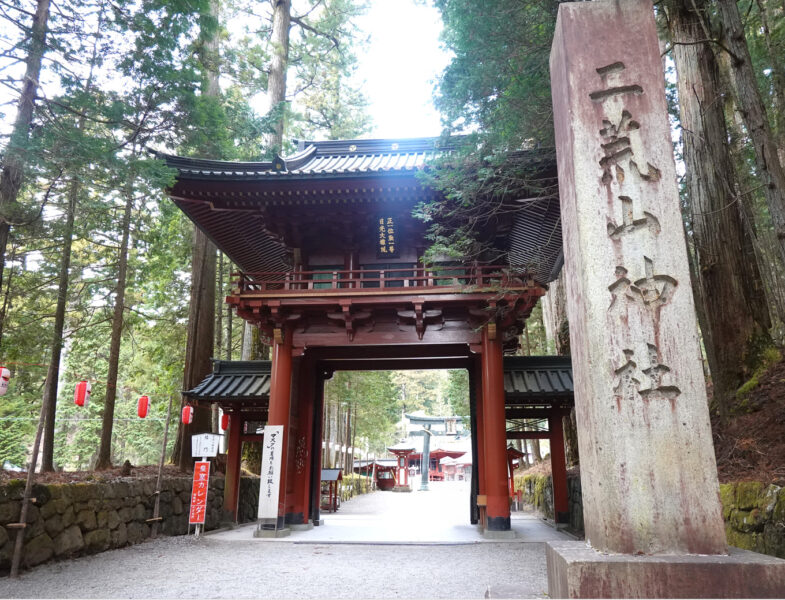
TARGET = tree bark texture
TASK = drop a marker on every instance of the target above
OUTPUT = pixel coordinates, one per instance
(276, 81)
(107, 424)
(753, 111)
(201, 313)
(729, 293)
(12, 174)
(199, 344)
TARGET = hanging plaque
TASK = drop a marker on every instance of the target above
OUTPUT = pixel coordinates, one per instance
(386, 237)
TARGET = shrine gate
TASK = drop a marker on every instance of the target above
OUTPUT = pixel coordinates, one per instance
(331, 275)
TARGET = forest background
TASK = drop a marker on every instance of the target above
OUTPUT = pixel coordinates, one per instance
(100, 273)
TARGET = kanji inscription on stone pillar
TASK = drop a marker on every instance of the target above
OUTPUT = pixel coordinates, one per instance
(648, 471)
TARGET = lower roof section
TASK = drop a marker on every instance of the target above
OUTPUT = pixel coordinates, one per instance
(527, 380)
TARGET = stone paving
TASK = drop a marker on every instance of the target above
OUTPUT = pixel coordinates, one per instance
(382, 545)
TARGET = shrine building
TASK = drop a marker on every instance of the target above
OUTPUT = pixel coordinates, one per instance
(331, 274)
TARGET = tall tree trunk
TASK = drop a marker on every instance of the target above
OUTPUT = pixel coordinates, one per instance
(12, 174)
(74, 189)
(276, 81)
(201, 314)
(50, 390)
(105, 449)
(728, 289)
(748, 99)
(777, 75)
(327, 434)
(199, 344)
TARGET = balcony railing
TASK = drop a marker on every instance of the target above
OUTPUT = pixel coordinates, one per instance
(411, 279)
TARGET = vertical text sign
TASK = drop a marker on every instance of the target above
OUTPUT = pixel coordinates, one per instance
(199, 492)
(270, 481)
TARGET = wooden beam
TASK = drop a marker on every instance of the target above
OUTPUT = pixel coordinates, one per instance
(532, 413)
(528, 435)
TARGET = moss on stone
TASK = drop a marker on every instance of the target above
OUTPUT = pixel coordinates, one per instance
(748, 494)
(727, 498)
(759, 362)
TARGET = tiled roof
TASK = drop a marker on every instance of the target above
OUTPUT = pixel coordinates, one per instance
(524, 377)
(538, 377)
(343, 158)
(234, 380)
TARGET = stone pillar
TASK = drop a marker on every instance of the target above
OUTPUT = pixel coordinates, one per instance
(561, 503)
(648, 471)
(494, 434)
(234, 452)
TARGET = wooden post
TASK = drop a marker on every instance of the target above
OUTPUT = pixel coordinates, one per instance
(234, 456)
(20, 533)
(157, 507)
(280, 401)
(561, 507)
(494, 436)
(305, 445)
(478, 438)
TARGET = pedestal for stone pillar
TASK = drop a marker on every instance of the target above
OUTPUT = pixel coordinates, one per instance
(648, 472)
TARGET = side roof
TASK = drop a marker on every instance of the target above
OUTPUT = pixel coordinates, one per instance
(321, 159)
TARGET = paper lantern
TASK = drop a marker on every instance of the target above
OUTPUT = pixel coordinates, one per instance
(82, 393)
(141, 406)
(224, 422)
(5, 376)
(188, 414)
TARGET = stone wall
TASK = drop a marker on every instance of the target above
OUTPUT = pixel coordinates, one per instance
(538, 493)
(754, 513)
(754, 516)
(86, 518)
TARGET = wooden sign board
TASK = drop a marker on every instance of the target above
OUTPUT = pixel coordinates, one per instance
(270, 481)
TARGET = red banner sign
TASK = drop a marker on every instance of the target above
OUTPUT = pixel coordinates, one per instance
(199, 492)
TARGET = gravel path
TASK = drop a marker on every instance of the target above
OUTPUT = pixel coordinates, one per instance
(184, 567)
(433, 554)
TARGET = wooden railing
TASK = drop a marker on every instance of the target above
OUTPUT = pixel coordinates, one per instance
(367, 280)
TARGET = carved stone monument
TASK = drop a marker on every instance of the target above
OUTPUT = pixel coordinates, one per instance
(649, 477)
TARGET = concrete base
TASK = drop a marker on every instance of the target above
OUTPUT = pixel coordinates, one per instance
(318, 522)
(402, 488)
(506, 534)
(301, 526)
(272, 533)
(577, 571)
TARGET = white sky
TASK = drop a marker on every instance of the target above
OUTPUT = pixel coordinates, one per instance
(399, 67)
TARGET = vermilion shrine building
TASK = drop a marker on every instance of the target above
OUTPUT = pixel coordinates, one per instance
(330, 254)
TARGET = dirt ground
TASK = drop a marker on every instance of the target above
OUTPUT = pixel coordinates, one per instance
(751, 445)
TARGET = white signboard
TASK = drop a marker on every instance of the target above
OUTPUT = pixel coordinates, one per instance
(270, 482)
(205, 444)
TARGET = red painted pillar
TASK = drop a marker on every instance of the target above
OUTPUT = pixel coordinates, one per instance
(304, 445)
(480, 431)
(280, 401)
(495, 436)
(561, 506)
(234, 450)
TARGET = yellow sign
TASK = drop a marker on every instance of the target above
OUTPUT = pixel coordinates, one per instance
(387, 246)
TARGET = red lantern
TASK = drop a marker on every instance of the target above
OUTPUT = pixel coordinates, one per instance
(141, 406)
(224, 422)
(5, 376)
(188, 414)
(82, 393)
